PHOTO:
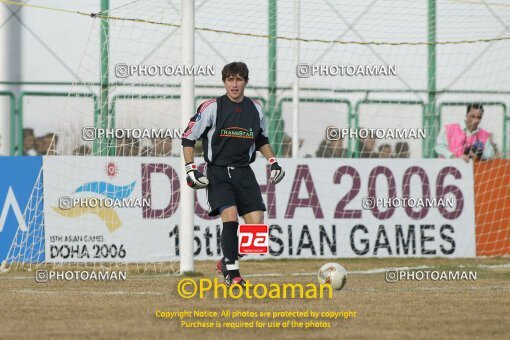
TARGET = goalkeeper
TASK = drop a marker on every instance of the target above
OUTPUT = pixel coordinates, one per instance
(232, 128)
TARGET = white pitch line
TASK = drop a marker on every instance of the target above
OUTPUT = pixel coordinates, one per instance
(353, 272)
(79, 292)
(495, 266)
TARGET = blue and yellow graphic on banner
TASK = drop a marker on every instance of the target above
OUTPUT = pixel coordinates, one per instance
(107, 214)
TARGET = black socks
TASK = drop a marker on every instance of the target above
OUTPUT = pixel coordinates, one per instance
(229, 247)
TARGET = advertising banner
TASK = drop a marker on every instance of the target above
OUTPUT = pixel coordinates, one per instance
(127, 209)
(21, 218)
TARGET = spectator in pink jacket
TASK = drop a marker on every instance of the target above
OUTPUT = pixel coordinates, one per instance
(466, 141)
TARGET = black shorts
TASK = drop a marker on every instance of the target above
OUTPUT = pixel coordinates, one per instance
(233, 186)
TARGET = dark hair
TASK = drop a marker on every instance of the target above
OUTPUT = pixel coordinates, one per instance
(381, 147)
(52, 135)
(130, 141)
(401, 147)
(27, 132)
(476, 106)
(235, 68)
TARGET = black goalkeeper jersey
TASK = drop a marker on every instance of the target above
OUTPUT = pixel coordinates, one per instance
(230, 132)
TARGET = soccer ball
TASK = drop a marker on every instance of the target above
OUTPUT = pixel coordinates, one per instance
(333, 274)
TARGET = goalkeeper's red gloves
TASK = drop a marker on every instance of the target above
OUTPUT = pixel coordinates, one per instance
(195, 178)
(277, 173)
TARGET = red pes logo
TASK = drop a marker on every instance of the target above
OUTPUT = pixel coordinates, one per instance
(253, 239)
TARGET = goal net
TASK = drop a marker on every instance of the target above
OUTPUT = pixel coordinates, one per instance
(406, 66)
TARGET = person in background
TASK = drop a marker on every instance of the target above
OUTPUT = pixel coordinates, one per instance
(367, 148)
(402, 150)
(466, 140)
(287, 145)
(29, 142)
(146, 151)
(127, 146)
(385, 151)
(50, 143)
(162, 147)
(40, 146)
(331, 149)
